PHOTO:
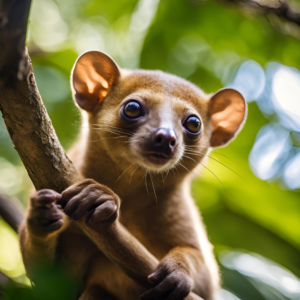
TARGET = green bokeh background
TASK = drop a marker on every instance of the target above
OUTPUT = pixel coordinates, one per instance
(243, 213)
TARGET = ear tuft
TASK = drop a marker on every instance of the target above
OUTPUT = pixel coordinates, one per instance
(93, 75)
(227, 112)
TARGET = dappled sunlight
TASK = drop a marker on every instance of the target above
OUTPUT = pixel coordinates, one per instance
(291, 173)
(48, 30)
(122, 39)
(271, 147)
(226, 295)
(11, 178)
(249, 80)
(140, 21)
(263, 273)
(87, 37)
(277, 93)
(286, 88)
(191, 53)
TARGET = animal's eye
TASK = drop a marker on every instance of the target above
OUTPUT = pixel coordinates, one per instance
(193, 124)
(132, 110)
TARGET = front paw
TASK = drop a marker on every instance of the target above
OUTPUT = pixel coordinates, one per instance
(96, 203)
(44, 216)
(171, 284)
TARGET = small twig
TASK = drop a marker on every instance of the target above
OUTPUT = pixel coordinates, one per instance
(281, 9)
(11, 212)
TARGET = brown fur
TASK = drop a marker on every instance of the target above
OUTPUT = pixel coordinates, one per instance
(156, 217)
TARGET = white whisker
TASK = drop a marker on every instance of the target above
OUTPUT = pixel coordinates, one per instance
(153, 187)
(123, 173)
(189, 158)
(146, 183)
(132, 174)
(202, 154)
(109, 138)
(167, 174)
(214, 175)
(114, 128)
(184, 167)
(191, 149)
(115, 131)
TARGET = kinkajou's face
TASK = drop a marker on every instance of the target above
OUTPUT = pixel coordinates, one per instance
(151, 119)
(161, 126)
(165, 127)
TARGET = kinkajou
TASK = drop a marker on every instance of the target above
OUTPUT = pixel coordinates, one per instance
(130, 229)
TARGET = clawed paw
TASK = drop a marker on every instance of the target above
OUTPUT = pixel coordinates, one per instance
(170, 285)
(94, 202)
(45, 216)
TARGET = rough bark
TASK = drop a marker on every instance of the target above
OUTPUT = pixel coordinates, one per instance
(11, 212)
(23, 111)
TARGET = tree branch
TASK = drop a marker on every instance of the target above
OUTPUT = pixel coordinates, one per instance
(281, 9)
(11, 212)
(24, 114)
(13, 25)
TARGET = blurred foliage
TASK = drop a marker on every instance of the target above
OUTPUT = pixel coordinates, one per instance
(205, 42)
(49, 283)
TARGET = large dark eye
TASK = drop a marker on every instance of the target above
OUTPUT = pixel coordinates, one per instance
(193, 124)
(132, 110)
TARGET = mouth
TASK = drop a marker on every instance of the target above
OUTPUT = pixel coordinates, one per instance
(158, 157)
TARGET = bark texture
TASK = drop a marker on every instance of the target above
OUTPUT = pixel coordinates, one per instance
(23, 111)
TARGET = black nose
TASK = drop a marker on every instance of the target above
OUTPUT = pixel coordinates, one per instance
(164, 140)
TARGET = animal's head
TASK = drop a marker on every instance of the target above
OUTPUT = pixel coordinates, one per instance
(150, 118)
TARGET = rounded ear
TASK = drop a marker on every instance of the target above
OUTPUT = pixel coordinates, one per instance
(227, 112)
(93, 75)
